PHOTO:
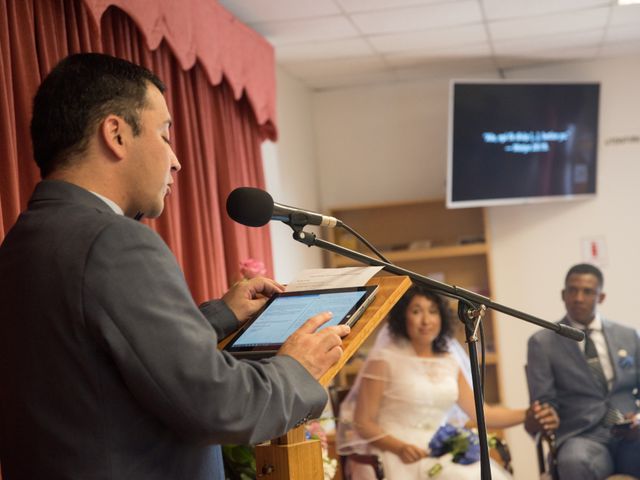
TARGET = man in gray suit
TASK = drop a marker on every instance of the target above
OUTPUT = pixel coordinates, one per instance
(591, 385)
(108, 370)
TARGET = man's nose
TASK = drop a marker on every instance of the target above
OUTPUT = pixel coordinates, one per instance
(175, 164)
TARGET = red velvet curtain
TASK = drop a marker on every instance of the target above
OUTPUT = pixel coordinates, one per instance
(216, 137)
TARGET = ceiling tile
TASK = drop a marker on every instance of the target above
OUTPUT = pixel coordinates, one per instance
(552, 55)
(625, 15)
(620, 49)
(418, 18)
(517, 63)
(255, 11)
(539, 27)
(438, 38)
(622, 34)
(589, 38)
(351, 47)
(327, 82)
(337, 67)
(571, 54)
(461, 53)
(463, 68)
(501, 9)
(337, 43)
(351, 6)
(308, 30)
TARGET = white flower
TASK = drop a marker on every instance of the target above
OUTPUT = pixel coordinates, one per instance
(329, 466)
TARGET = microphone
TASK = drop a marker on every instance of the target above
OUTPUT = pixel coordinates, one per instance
(570, 332)
(254, 208)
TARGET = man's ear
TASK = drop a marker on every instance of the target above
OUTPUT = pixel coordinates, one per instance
(111, 131)
(601, 297)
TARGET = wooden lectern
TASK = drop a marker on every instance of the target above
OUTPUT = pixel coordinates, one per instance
(291, 457)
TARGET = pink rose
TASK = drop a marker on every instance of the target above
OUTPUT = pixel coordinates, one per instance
(251, 268)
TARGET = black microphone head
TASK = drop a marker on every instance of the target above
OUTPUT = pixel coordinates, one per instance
(250, 206)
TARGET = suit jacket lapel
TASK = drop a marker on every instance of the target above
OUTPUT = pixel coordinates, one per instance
(612, 348)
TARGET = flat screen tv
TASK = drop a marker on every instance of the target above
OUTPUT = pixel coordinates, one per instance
(520, 142)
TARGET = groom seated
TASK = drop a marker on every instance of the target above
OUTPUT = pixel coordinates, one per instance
(592, 385)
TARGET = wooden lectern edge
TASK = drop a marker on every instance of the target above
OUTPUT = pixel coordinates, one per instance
(390, 289)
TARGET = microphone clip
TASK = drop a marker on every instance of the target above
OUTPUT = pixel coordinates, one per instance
(306, 238)
(297, 221)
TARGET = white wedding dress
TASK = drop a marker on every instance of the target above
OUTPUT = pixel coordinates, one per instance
(418, 394)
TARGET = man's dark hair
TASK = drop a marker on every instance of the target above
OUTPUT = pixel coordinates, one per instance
(76, 96)
(398, 317)
(585, 268)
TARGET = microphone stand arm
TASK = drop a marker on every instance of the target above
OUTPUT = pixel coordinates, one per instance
(471, 309)
(453, 291)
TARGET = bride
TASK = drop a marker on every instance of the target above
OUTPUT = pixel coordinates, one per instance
(404, 391)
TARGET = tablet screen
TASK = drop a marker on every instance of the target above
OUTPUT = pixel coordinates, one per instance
(286, 312)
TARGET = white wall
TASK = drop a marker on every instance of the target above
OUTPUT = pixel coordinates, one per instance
(291, 175)
(387, 143)
(383, 143)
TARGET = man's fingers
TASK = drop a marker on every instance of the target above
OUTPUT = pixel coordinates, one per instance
(328, 339)
(259, 302)
(343, 330)
(334, 354)
(264, 286)
(337, 330)
(316, 350)
(315, 322)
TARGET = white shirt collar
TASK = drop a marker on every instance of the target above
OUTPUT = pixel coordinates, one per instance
(113, 205)
(596, 323)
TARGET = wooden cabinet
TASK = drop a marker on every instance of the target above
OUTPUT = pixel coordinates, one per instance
(451, 246)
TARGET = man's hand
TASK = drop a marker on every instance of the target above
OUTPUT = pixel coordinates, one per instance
(541, 417)
(316, 351)
(248, 296)
(629, 430)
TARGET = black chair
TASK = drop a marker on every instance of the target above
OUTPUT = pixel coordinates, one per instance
(546, 449)
(499, 449)
(502, 449)
(336, 396)
(547, 455)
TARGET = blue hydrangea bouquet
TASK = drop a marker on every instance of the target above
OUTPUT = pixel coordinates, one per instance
(462, 443)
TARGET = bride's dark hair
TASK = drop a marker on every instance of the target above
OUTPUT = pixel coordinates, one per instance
(398, 323)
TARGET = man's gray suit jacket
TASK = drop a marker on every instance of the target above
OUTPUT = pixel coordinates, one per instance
(108, 370)
(557, 373)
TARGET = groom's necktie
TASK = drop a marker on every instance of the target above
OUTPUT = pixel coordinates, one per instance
(613, 415)
(591, 354)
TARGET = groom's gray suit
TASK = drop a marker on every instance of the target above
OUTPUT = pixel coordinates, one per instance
(558, 373)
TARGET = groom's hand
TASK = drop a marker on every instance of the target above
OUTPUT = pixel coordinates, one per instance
(541, 417)
(629, 430)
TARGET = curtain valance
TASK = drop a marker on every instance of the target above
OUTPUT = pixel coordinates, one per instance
(203, 31)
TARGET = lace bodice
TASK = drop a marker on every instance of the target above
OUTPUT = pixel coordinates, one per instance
(418, 391)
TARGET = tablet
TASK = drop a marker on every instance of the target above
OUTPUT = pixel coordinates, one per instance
(285, 312)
